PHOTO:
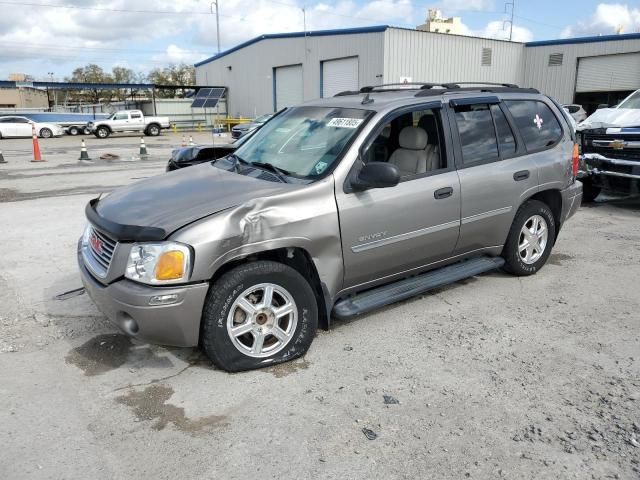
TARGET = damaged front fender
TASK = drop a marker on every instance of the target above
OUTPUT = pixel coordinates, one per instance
(305, 218)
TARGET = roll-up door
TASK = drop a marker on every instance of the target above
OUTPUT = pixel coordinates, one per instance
(339, 75)
(288, 86)
(608, 73)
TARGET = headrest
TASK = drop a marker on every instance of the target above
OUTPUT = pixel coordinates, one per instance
(413, 138)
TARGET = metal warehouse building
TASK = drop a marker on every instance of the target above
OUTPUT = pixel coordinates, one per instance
(273, 71)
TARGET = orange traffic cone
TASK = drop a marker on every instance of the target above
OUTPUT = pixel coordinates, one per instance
(2, 160)
(184, 141)
(191, 144)
(36, 146)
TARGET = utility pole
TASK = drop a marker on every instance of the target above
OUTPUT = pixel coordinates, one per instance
(512, 4)
(55, 94)
(215, 2)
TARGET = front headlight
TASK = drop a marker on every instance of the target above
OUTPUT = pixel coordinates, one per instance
(85, 235)
(159, 263)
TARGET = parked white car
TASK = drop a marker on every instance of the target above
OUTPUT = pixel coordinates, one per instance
(12, 126)
(129, 121)
(576, 111)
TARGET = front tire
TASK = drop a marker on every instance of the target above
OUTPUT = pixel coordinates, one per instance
(530, 239)
(45, 133)
(589, 191)
(258, 314)
(102, 132)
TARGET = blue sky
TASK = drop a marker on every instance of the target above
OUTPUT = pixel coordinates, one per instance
(42, 36)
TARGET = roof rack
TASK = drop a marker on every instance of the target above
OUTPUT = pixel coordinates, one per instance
(428, 88)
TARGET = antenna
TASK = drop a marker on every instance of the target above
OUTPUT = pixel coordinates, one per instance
(512, 3)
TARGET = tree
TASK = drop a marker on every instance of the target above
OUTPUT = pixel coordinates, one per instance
(126, 75)
(92, 73)
(177, 75)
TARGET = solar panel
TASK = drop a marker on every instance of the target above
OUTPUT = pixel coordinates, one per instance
(210, 102)
(208, 97)
(203, 92)
(216, 93)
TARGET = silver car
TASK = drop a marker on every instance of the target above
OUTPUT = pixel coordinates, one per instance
(333, 209)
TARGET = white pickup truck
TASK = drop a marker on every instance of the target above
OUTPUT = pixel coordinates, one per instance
(129, 121)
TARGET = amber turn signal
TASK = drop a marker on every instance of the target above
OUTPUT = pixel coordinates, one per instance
(170, 265)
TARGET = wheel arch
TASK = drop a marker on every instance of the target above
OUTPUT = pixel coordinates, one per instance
(300, 260)
(553, 199)
(103, 125)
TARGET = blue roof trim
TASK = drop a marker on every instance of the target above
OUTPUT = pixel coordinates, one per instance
(593, 39)
(317, 33)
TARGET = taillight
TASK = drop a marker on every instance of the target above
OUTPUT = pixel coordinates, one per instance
(575, 165)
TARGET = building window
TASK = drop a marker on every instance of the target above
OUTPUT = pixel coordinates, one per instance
(486, 57)
(555, 59)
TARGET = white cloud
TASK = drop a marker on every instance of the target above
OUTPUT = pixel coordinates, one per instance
(606, 20)
(175, 54)
(500, 30)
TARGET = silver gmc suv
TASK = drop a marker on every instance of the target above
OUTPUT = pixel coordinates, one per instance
(333, 208)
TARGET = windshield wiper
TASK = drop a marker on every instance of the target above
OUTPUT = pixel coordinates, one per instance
(280, 172)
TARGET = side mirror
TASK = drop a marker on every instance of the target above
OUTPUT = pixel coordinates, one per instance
(376, 175)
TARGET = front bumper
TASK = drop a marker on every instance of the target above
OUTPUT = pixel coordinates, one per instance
(126, 305)
(571, 200)
(611, 173)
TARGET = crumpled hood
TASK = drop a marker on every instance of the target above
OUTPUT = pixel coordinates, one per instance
(175, 199)
(611, 117)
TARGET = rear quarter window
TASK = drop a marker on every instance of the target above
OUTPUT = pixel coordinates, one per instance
(538, 125)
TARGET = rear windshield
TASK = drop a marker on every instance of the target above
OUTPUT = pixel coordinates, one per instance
(305, 141)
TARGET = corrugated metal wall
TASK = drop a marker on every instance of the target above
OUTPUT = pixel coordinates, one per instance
(250, 79)
(560, 81)
(436, 57)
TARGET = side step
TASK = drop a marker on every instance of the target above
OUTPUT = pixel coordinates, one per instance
(410, 287)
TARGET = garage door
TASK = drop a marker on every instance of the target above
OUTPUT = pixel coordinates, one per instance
(609, 73)
(339, 75)
(288, 86)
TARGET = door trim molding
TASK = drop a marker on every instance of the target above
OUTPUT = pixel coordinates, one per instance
(404, 236)
(482, 216)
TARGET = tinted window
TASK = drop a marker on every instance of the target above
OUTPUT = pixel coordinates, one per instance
(506, 140)
(537, 124)
(477, 134)
(573, 108)
(136, 115)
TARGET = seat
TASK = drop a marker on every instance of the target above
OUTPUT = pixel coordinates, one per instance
(428, 124)
(411, 157)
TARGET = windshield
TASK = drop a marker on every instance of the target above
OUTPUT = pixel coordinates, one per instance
(632, 101)
(305, 141)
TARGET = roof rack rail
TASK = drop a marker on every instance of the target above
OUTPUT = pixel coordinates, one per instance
(500, 88)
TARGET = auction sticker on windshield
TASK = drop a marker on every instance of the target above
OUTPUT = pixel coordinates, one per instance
(345, 122)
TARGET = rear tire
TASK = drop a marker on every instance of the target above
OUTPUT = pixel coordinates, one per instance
(530, 239)
(589, 191)
(73, 131)
(242, 329)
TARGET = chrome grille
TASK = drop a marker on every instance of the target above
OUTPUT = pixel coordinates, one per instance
(99, 252)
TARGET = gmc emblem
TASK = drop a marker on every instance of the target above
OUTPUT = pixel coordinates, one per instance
(96, 243)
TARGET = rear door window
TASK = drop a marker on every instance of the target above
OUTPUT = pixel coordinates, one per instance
(538, 125)
(477, 134)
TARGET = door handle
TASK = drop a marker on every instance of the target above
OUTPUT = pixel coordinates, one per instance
(521, 175)
(443, 193)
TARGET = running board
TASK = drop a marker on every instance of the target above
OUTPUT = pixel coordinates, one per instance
(410, 287)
